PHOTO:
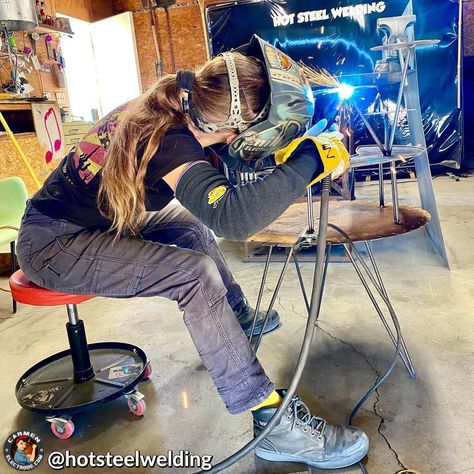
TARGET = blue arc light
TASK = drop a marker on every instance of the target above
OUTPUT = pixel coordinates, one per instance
(345, 91)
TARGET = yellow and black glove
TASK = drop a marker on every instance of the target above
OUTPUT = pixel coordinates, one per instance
(327, 146)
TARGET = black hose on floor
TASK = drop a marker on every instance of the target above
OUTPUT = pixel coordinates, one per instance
(309, 332)
(396, 324)
(308, 337)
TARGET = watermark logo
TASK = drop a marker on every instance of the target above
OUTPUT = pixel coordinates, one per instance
(23, 450)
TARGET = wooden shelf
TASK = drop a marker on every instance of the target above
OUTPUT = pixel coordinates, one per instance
(41, 28)
(4, 136)
(7, 106)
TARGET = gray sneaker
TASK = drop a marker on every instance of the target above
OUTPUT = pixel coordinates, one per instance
(307, 439)
(244, 314)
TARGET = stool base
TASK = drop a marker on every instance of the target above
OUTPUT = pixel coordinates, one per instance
(49, 387)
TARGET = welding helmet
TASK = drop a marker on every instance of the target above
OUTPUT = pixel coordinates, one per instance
(286, 115)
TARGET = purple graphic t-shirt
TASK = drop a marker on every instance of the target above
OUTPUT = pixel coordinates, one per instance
(70, 192)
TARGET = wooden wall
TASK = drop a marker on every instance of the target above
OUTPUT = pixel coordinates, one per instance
(180, 32)
(11, 164)
(41, 81)
(86, 10)
(80, 9)
(180, 37)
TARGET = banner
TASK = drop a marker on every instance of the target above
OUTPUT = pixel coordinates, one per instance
(337, 35)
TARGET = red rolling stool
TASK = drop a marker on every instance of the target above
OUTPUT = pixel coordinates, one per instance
(81, 377)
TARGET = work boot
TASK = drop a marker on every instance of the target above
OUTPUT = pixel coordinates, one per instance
(244, 314)
(307, 439)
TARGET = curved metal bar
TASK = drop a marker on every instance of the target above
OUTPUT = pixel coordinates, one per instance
(382, 379)
(395, 200)
(403, 84)
(310, 213)
(327, 254)
(260, 293)
(411, 370)
(408, 364)
(308, 337)
(274, 297)
(300, 278)
(362, 468)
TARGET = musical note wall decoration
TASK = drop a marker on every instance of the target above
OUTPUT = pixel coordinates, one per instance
(49, 131)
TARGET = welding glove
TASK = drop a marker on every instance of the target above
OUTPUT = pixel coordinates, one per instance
(327, 146)
(244, 166)
(321, 127)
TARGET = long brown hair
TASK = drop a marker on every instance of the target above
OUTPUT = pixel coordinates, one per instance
(122, 190)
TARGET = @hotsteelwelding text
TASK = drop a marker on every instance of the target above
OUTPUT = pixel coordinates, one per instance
(171, 459)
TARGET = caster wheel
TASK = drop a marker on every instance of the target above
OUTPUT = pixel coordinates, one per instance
(147, 373)
(62, 430)
(137, 406)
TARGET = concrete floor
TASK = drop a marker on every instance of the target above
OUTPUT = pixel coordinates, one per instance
(424, 424)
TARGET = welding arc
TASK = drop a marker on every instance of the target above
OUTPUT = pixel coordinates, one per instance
(320, 77)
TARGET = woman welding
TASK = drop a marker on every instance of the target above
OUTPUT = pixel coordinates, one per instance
(102, 223)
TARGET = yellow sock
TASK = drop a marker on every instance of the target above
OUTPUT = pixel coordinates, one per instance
(272, 401)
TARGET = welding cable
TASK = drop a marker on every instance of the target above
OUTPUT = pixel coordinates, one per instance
(396, 324)
(363, 469)
(308, 337)
(309, 332)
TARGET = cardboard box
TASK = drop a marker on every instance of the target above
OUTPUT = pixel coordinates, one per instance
(76, 128)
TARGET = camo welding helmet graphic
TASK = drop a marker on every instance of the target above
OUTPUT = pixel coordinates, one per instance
(290, 108)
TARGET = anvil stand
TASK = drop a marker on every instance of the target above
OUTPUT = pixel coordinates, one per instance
(398, 64)
(319, 240)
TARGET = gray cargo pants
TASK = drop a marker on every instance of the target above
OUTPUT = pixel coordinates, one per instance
(176, 257)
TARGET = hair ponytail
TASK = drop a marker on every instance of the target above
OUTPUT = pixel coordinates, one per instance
(122, 190)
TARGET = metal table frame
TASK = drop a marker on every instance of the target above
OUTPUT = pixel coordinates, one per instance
(365, 273)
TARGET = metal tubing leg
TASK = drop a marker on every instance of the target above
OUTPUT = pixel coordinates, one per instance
(381, 187)
(323, 279)
(382, 287)
(310, 215)
(274, 297)
(396, 210)
(300, 278)
(305, 347)
(407, 364)
(401, 91)
(321, 265)
(13, 268)
(370, 129)
(375, 267)
(260, 292)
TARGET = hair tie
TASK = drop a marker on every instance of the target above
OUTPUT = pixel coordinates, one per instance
(185, 79)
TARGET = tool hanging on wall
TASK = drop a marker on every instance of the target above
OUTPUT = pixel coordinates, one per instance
(15, 63)
(34, 58)
(154, 32)
(49, 45)
(150, 5)
(202, 8)
(170, 38)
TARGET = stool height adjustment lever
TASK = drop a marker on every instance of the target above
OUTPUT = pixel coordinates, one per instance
(76, 334)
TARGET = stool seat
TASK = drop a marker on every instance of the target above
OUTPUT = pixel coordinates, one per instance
(26, 292)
